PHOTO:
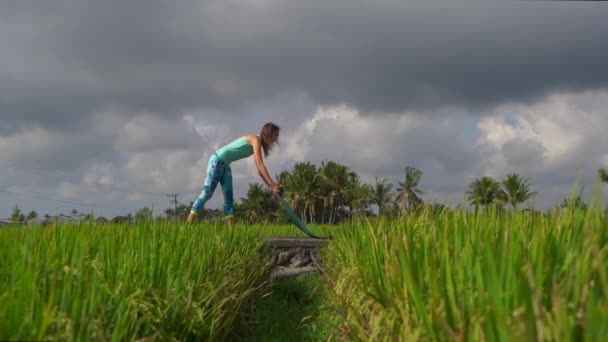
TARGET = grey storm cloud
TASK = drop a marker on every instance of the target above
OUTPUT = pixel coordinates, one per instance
(66, 59)
(138, 93)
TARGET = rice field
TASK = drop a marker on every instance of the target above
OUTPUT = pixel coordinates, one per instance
(461, 275)
(485, 276)
(120, 282)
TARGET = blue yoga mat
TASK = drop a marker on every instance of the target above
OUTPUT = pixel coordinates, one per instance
(295, 219)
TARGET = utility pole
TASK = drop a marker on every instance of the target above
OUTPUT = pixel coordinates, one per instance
(174, 201)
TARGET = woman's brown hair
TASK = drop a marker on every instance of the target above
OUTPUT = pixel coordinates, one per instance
(269, 135)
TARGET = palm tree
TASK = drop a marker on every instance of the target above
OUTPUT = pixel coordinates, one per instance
(603, 175)
(336, 179)
(483, 191)
(381, 194)
(258, 206)
(358, 197)
(302, 190)
(515, 190)
(408, 191)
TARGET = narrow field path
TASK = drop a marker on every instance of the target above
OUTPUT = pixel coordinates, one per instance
(292, 312)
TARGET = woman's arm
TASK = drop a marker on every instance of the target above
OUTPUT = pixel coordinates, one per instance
(254, 140)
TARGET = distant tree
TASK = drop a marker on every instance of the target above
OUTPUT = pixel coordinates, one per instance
(574, 202)
(515, 190)
(437, 209)
(359, 198)
(143, 214)
(483, 191)
(16, 216)
(408, 193)
(302, 189)
(119, 219)
(382, 194)
(31, 215)
(336, 179)
(252, 207)
(258, 206)
(47, 216)
(74, 212)
(183, 210)
(603, 175)
(170, 212)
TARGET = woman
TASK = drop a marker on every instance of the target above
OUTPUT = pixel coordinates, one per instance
(219, 171)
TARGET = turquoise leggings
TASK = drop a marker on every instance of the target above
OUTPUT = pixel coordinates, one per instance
(217, 172)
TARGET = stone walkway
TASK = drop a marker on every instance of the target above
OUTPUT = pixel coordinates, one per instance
(292, 256)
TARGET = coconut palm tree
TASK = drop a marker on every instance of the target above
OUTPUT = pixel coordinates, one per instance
(408, 193)
(336, 179)
(381, 194)
(252, 206)
(515, 190)
(358, 197)
(302, 190)
(483, 191)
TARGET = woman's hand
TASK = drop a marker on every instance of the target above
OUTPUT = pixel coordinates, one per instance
(277, 189)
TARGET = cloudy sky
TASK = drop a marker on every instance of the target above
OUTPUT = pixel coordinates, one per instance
(110, 105)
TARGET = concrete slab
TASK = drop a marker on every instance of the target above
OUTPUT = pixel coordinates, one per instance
(294, 242)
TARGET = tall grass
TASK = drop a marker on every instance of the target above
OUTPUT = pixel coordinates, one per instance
(471, 276)
(109, 282)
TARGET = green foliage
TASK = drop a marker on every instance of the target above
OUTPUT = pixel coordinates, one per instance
(327, 194)
(293, 311)
(258, 206)
(158, 282)
(31, 215)
(358, 197)
(483, 191)
(515, 190)
(17, 216)
(574, 202)
(121, 220)
(408, 193)
(603, 175)
(488, 275)
(183, 210)
(382, 194)
(336, 180)
(143, 214)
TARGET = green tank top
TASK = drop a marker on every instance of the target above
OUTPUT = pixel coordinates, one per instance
(234, 151)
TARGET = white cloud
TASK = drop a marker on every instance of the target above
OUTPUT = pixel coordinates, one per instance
(149, 132)
(66, 190)
(99, 174)
(383, 145)
(32, 145)
(552, 141)
(548, 141)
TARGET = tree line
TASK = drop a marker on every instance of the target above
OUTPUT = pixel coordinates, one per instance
(332, 192)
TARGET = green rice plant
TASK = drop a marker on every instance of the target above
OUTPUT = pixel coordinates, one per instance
(470, 276)
(126, 282)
